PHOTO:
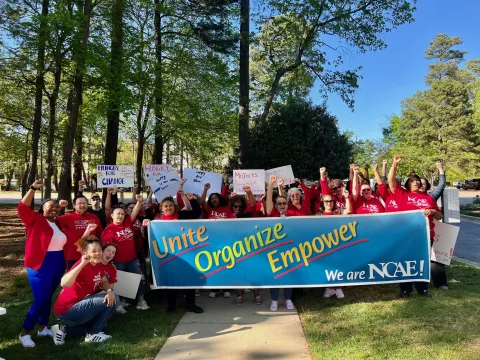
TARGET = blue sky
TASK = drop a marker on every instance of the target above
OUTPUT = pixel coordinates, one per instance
(396, 73)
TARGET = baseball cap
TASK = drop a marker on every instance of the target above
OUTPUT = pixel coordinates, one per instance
(94, 195)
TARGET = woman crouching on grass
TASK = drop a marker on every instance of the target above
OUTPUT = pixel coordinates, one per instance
(79, 307)
(328, 207)
(190, 211)
(279, 210)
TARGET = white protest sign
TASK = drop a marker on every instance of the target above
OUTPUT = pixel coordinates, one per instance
(444, 242)
(196, 179)
(164, 185)
(253, 178)
(156, 170)
(115, 175)
(282, 172)
(127, 284)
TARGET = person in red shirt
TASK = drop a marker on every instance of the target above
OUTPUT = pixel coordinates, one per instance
(79, 306)
(121, 233)
(298, 204)
(411, 198)
(328, 207)
(335, 188)
(44, 260)
(216, 207)
(365, 203)
(74, 225)
(279, 210)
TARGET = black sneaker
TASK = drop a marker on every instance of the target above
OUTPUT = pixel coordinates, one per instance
(194, 308)
(404, 294)
(425, 294)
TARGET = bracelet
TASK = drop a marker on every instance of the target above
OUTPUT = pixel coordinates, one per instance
(32, 188)
(110, 290)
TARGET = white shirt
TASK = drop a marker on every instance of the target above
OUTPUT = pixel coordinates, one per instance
(58, 238)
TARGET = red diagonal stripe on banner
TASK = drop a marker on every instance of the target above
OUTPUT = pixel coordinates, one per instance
(248, 256)
(181, 253)
(320, 256)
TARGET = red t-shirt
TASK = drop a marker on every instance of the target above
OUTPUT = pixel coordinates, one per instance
(110, 272)
(364, 206)
(137, 234)
(414, 201)
(87, 283)
(221, 212)
(74, 226)
(122, 236)
(390, 200)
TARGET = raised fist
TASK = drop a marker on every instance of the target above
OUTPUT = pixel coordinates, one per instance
(273, 179)
(397, 159)
(38, 184)
(206, 186)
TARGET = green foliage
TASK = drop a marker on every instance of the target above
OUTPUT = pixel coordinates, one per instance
(303, 135)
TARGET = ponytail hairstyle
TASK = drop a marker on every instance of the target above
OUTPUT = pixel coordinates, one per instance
(83, 243)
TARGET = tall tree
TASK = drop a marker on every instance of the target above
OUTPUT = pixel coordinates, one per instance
(244, 110)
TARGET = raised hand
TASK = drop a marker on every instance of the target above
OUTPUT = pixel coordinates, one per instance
(397, 159)
(281, 182)
(322, 170)
(183, 181)
(145, 222)
(375, 167)
(273, 179)
(111, 189)
(439, 166)
(190, 196)
(385, 162)
(38, 184)
(63, 203)
(247, 189)
(206, 186)
(346, 193)
(139, 198)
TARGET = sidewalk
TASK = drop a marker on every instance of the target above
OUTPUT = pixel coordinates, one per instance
(230, 331)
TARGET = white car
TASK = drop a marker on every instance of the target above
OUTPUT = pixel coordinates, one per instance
(459, 184)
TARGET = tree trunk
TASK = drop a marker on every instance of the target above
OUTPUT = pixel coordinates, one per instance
(181, 159)
(115, 82)
(39, 83)
(25, 173)
(65, 186)
(78, 157)
(141, 128)
(272, 93)
(158, 86)
(244, 109)
(8, 185)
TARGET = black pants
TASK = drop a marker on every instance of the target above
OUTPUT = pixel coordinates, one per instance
(407, 287)
(439, 275)
(172, 297)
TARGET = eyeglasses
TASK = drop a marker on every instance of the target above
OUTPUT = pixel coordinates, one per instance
(282, 203)
(237, 206)
(334, 188)
(327, 201)
(131, 207)
(366, 190)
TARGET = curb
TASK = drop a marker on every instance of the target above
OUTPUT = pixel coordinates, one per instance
(466, 262)
(470, 217)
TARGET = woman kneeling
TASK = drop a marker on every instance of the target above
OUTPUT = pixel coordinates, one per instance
(79, 307)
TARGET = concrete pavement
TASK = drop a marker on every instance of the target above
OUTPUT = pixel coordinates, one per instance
(468, 241)
(227, 331)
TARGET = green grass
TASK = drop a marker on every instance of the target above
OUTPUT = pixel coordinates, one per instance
(372, 322)
(470, 213)
(136, 335)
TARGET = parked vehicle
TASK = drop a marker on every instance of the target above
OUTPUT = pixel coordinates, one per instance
(473, 184)
(459, 184)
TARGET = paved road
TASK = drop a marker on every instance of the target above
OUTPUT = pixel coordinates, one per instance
(468, 242)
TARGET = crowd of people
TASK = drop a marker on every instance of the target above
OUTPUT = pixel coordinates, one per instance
(82, 250)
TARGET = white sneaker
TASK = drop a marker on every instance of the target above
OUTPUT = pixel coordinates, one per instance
(142, 305)
(240, 299)
(329, 293)
(45, 332)
(226, 294)
(121, 310)
(58, 335)
(290, 305)
(198, 292)
(339, 294)
(274, 305)
(212, 294)
(125, 303)
(26, 341)
(246, 291)
(97, 338)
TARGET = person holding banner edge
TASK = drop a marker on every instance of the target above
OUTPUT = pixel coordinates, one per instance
(190, 211)
(279, 210)
(121, 233)
(411, 198)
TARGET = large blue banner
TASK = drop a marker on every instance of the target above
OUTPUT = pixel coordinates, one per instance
(290, 252)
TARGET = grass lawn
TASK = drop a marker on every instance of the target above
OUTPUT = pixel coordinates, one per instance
(136, 335)
(372, 322)
(470, 213)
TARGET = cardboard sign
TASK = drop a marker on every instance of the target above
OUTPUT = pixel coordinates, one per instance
(115, 175)
(253, 178)
(444, 242)
(196, 180)
(164, 185)
(282, 172)
(156, 170)
(127, 284)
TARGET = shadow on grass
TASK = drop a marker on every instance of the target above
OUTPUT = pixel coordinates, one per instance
(372, 322)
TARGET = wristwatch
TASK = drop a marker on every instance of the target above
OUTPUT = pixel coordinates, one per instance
(33, 188)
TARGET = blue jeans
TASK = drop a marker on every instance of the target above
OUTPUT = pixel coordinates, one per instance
(133, 267)
(275, 294)
(44, 282)
(91, 312)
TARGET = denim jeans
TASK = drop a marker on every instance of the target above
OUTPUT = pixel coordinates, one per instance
(275, 294)
(133, 267)
(91, 310)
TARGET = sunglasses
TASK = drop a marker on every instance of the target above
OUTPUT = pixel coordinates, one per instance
(281, 203)
(366, 190)
(237, 206)
(327, 201)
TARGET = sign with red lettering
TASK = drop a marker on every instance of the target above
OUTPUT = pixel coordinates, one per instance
(253, 178)
(444, 242)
